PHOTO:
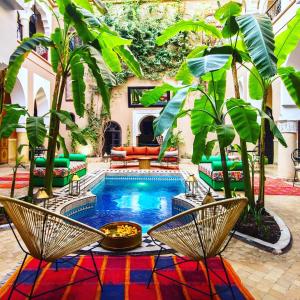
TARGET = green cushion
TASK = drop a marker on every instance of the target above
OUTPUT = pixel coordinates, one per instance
(58, 162)
(212, 158)
(75, 156)
(232, 166)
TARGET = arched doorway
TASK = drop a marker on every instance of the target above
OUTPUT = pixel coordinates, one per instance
(112, 136)
(146, 138)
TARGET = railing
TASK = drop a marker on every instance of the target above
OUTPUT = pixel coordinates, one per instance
(274, 9)
(42, 51)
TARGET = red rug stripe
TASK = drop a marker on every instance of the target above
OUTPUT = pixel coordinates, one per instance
(125, 277)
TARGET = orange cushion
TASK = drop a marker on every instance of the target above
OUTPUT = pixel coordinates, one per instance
(170, 159)
(129, 150)
(172, 149)
(139, 150)
(153, 150)
(118, 148)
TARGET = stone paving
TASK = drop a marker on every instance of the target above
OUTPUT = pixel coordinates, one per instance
(267, 276)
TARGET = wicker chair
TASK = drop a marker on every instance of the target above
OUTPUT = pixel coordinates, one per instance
(296, 161)
(49, 237)
(198, 234)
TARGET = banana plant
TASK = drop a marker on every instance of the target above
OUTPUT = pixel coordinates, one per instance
(210, 111)
(101, 51)
(36, 131)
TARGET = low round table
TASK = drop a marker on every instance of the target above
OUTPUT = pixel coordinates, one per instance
(115, 241)
(144, 163)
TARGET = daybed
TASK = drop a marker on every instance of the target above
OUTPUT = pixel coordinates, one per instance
(126, 154)
(64, 169)
(210, 170)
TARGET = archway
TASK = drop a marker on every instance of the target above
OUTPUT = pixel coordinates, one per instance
(112, 136)
(146, 138)
(41, 106)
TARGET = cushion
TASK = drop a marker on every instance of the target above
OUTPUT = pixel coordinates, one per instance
(170, 159)
(139, 150)
(205, 159)
(172, 149)
(118, 153)
(118, 148)
(232, 166)
(128, 150)
(58, 162)
(171, 153)
(74, 156)
(153, 150)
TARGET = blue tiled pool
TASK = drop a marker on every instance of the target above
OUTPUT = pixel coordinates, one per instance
(145, 200)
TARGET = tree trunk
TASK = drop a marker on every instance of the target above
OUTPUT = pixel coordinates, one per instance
(2, 91)
(13, 184)
(262, 144)
(53, 130)
(243, 145)
(30, 188)
(225, 173)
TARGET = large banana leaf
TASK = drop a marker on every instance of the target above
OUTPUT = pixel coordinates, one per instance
(217, 90)
(78, 85)
(113, 40)
(62, 143)
(10, 121)
(19, 55)
(274, 129)
(209, 63)
(166, 143)
(111, 59)
(230, 28)
(36, 131)
(259, 39)
(154, 95)
(199, 146)
(169, 114)
(228, 10)
(66, 119)
(102, 76)
(202, 115)
(55, 51)
(225, 134)
(187, 25)
(183, 73)
(244, 119)
(84, 4)
(291, 80)
(255, 85)
(129, 59)
(287, 41)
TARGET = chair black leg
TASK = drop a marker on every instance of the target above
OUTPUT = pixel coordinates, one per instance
(208, 279)
(97, 273)
(18, 275)
(153, 270)
(56, 266)
(35, 279)
(227, 277)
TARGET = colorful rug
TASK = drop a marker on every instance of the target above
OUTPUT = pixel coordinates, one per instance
(22, 180)
(125, 277)
(277, 186)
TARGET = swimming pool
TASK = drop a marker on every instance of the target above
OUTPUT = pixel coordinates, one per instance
(145, 200)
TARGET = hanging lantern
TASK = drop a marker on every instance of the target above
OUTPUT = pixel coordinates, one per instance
(41, 196)
(74, 186)
(191, 184)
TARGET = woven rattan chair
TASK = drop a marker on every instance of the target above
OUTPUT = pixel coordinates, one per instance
(49, 237)
(198, 234)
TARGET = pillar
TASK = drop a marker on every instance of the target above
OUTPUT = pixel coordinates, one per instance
(285, 164)
(24, 18)
(22, 140)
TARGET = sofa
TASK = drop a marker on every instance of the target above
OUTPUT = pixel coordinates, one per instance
(210, 170)
(64, 169)
(126, 154)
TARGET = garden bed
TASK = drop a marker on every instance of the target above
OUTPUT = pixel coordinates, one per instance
(266, 229)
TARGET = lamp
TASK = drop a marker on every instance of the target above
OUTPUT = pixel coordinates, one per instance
(191, 185)
(74, 186)
(41, 195)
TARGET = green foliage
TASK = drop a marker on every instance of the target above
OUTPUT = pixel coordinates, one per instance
(228, 10)
(258, 36)
(176, 139)
(142, 24)
(36, 131)
(255, 85)
(287, 41)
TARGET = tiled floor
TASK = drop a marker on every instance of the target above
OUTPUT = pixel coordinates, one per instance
(267, 276)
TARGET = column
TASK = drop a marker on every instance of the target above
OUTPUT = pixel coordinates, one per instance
(24, 18)
(285, 164)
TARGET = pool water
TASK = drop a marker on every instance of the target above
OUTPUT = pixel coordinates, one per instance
(140, 199)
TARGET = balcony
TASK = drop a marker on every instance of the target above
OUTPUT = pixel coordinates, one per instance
(42, 51)
(274, 9)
